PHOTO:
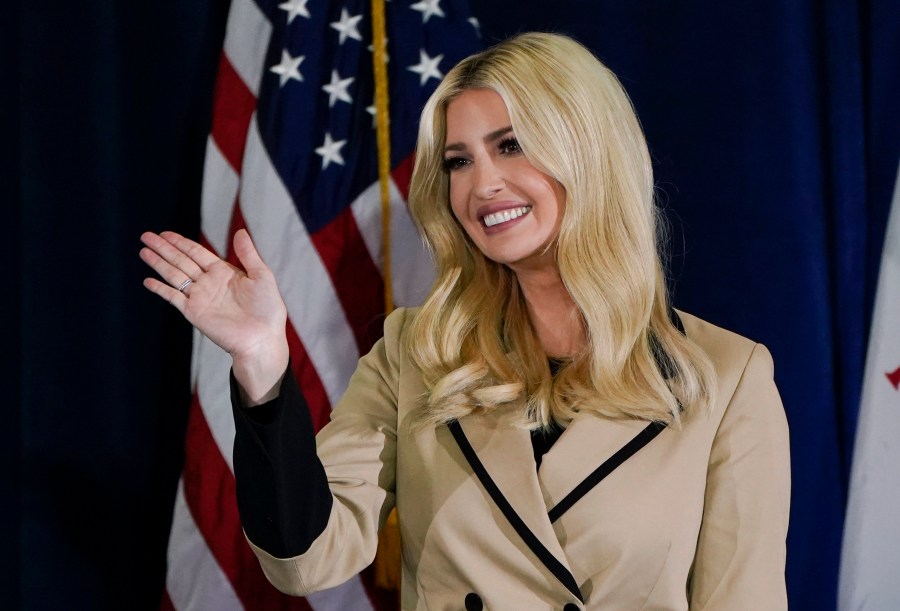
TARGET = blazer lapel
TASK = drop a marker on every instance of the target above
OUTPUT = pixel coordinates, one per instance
(501, 457)
(590, 449)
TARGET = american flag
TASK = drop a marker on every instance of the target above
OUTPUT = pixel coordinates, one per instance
(292, 157)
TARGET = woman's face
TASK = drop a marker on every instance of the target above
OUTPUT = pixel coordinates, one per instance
(511, 210)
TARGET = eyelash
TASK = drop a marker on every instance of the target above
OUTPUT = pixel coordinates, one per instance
(507, 146)
(508, 143)
(454, 163)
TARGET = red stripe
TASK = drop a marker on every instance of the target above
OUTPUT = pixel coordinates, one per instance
(308, 379)
(402, 174)
(210, 494)
(381, 599)
(355, 277)
(166, 603)
(237, 223)
(233, 106)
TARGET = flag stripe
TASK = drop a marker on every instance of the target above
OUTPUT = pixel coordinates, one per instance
(351, 596)
(412, 272)
(214, 396)
(354, 275)
(308, 379)
(208, 587)
(246, 40)
(220, 188)
(166, 603)
(402, 175)
(233, 108)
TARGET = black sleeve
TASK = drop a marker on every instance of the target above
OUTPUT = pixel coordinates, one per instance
(282, 490)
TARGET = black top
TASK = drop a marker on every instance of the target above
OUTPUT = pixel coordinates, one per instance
(542, 441)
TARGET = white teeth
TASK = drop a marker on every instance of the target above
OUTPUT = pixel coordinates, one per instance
(504, 215)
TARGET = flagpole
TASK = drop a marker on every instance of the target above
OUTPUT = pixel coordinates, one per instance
(382, 127)
(387, 558)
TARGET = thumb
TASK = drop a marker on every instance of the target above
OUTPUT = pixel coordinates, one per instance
(248, 255)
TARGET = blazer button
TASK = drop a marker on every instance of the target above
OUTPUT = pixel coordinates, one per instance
(571, 607)
(473, 602)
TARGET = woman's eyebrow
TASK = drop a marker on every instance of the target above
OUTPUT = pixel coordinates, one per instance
(494, 135)
(498, 133)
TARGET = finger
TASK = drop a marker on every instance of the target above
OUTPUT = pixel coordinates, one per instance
(202, 256)
(248, 255)
(168, 293)
(173, 256)
(171, 274)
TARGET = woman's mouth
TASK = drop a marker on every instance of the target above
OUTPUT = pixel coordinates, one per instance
(504, 216)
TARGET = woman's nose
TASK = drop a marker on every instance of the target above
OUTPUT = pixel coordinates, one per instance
(488, 179)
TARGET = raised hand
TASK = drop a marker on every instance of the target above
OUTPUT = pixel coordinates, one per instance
(240, 310)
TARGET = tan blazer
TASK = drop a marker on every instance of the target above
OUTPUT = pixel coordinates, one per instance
(695, 519)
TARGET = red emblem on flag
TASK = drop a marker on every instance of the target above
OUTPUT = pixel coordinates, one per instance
(894, 378)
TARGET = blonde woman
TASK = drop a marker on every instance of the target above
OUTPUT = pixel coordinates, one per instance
(552, 433)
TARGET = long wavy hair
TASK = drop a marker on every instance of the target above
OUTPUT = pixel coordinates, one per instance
(472, 338)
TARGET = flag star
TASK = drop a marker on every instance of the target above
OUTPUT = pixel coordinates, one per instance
(294, 8)
(427, 67)
(348, 26)
(331, 151)
(289, 68)
(372, 111)
(475, 24)
(428, 8)
(337, 89)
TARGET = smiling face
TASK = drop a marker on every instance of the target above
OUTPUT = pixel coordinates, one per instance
(511, 210)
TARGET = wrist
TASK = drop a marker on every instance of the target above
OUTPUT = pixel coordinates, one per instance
(260, 370)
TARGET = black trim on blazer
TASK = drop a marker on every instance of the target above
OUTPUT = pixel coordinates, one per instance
(668, 369)
(609, 465)
(534, 544)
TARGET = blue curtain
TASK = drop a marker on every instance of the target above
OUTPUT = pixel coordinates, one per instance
(775, 135)
(104, 111)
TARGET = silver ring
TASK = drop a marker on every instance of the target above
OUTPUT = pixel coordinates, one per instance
(184, 285)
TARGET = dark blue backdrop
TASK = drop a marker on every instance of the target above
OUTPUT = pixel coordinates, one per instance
(774, 131)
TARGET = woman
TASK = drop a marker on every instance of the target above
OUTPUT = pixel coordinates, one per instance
(552, 434)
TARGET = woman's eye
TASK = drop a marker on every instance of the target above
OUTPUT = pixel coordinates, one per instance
(510, 146)
(454, 163)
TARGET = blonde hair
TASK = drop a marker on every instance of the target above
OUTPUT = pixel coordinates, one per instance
(472, 339)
